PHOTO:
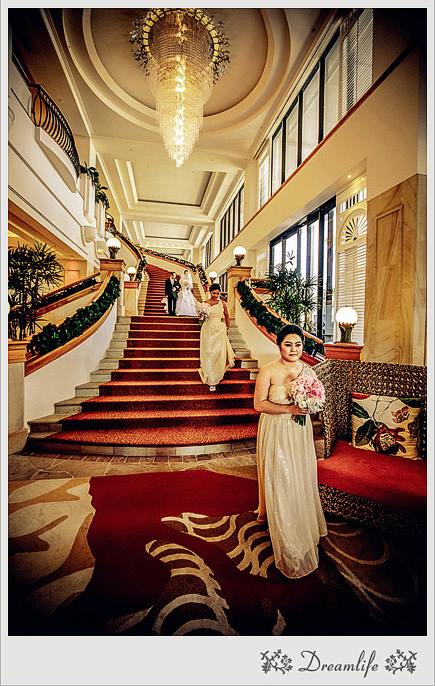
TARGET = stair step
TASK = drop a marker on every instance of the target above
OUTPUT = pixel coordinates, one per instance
(160, 402)
(157, 418)
(170, 388)
(109, 441)
(175, 374)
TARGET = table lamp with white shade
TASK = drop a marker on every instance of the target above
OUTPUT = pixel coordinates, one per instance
(239, 253)
(113, 246)
(346, 318)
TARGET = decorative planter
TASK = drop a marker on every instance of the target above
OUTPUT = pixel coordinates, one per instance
(87, 191)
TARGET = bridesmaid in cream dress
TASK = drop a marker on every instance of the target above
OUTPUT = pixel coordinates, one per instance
(288, 495)
(216, 352)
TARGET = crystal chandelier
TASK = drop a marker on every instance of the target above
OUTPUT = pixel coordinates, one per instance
(184, 52)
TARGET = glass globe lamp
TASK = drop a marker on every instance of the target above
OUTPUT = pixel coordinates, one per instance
(346, 318)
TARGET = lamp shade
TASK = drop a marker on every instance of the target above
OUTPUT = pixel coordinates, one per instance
(131, 271)
(239, 251)
(213, 275)
(346, 316)
(113, 242)
(113, 246)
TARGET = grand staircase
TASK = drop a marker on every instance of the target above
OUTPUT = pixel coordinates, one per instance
(151, 398)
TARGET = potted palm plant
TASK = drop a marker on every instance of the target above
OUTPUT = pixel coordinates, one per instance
(31, 271)
(291, 295)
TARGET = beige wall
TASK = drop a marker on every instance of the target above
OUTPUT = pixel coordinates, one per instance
(395, 309)
(385, 146)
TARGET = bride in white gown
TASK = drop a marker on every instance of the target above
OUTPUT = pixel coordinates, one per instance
(288, 495)
(186, 301)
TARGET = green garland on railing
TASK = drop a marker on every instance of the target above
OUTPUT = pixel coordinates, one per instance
(271, 322)
(52, 336)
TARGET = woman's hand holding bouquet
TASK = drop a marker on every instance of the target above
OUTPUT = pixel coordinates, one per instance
(308, 394)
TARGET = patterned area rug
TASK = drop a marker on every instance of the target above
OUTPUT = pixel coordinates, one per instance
(181, 553)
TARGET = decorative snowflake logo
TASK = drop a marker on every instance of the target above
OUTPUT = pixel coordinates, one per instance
(398, 662)
(278, 661)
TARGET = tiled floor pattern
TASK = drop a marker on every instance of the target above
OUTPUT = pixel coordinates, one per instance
(28, 465)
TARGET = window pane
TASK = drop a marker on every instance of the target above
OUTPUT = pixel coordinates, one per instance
(242, 202)
(291, 250)
(263, 181)
(310, 116)
(236, 215)
(314, 257)
(331, 89)
(291, 142)
(277, 255)
(277, 161)
(303, 261)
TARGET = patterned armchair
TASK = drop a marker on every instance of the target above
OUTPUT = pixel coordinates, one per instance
(385, 491)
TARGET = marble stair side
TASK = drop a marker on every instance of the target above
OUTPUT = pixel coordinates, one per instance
(241, 350)
(143, 289)
(45, 426)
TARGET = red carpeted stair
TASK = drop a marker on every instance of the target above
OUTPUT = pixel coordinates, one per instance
(156, 397)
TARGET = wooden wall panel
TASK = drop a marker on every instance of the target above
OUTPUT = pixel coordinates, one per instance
(395, 323)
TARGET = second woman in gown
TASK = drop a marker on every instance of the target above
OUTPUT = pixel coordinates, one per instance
(288, 494)
(216, 352)
(186, 301)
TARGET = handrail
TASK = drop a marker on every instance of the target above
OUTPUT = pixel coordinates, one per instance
(272, 321)
(73, 330)
(171, 258)
(134, 248)
(47, 115)
(68, 290)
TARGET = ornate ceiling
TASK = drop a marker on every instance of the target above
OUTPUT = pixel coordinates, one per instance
(83, 58)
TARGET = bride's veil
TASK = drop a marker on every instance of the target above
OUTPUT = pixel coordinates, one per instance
(188, 277)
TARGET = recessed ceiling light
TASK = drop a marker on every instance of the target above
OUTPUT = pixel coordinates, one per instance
(349, 176)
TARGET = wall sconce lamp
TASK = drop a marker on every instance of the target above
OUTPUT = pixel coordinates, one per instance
(213, 277)
(126, 277)
(239, 253)
(131, 271)
(114, 246)
(346, 318)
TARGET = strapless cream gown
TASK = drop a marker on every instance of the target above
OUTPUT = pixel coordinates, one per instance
(287, 460)
(216, 352)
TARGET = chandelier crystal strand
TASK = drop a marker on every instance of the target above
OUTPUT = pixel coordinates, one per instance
(184, 53)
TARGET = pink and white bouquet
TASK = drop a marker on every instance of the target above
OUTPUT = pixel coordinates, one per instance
(203, 310)
(307, 393)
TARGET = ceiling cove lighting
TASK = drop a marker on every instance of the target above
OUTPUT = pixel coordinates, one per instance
(184, 52)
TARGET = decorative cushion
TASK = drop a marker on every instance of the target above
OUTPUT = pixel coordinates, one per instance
(386, 425)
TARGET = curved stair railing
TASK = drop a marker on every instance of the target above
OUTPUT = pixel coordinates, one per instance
(56, 340)
(66, 294)
(270, 322)
(47, 115)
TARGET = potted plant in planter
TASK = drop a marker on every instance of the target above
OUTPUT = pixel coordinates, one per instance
(291, 295)
(89, 177)
(31, 270)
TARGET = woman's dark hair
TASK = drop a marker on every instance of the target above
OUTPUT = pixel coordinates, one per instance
(286, 330)
(215, 287)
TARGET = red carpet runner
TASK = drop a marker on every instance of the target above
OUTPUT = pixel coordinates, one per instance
(156, 398)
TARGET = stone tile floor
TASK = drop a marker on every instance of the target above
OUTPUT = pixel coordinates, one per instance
(27, 465)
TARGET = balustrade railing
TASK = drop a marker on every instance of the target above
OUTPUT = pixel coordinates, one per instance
(272, 321)
(68, 290)
(47, 115)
